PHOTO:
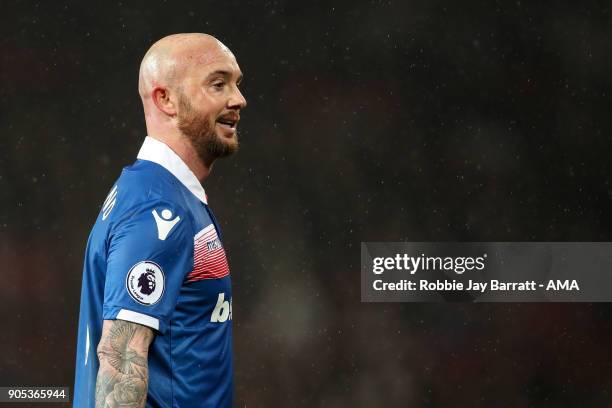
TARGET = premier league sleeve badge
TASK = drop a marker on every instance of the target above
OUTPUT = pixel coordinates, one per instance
(145, 283)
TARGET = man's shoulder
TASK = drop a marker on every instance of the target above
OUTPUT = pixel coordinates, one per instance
(143, 186)
(145, 181)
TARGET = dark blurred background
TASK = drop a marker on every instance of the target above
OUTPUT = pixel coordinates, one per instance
(367, 121)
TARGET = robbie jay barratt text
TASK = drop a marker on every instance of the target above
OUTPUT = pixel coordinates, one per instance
(493, 285)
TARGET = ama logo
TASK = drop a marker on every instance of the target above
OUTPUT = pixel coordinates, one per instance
(145, 283)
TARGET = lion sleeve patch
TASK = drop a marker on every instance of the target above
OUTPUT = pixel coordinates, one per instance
(145, 283)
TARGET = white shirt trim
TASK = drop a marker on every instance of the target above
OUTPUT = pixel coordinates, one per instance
(159, 152)
(139, 318)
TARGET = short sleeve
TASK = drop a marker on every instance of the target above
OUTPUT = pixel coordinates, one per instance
(149, 254)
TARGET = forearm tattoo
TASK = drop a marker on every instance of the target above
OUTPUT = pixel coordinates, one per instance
(124, 375)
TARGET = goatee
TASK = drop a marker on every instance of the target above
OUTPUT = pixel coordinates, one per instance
(201, 134)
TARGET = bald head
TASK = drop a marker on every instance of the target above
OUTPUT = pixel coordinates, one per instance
(189, 85)
(167, 62)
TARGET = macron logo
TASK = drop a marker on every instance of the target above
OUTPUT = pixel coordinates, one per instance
(164, 223)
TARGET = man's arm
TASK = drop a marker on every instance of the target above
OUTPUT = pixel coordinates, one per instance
(123, 377)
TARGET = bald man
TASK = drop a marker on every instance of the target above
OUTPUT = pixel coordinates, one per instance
(156, 301)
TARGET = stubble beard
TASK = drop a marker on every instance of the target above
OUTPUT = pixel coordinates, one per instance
(207, 144)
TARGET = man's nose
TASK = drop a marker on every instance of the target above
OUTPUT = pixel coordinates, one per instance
(237, 101)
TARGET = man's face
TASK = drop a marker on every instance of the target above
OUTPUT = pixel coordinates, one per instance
(209, 104)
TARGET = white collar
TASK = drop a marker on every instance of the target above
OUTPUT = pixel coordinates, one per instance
(159, 152)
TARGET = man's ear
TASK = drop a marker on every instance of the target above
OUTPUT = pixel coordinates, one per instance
(161, 98)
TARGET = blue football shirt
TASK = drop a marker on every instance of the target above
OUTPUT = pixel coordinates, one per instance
(155, 256)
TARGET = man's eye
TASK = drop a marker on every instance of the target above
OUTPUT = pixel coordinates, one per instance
(219, 85)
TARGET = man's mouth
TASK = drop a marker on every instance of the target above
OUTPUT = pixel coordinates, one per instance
(228, 122)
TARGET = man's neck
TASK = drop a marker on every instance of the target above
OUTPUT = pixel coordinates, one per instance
(184, 149)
